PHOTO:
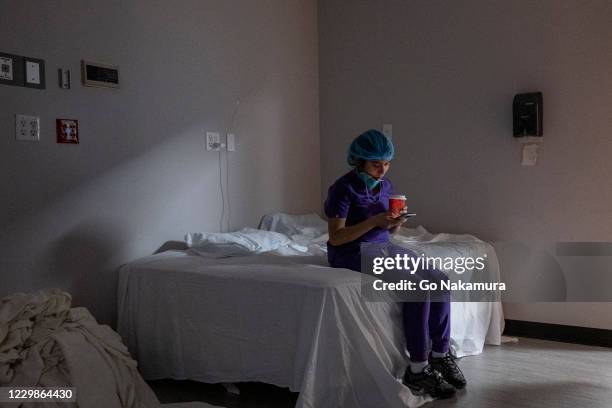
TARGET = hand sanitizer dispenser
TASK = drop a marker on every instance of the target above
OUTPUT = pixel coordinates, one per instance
(527, 110)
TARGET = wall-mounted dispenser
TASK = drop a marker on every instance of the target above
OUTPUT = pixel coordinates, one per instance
(527, 111)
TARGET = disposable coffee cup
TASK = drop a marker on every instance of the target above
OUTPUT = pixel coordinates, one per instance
(396, 204)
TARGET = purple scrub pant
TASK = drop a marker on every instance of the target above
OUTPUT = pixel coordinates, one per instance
(424, 322)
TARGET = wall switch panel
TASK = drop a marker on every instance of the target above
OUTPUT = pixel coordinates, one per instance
(22, 71)
(27, 128)
(64, 78)
(213, 141)
(387, 130)
(231, 142)
(34, 73)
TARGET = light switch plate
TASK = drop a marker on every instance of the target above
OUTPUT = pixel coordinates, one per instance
(64, 75)
(231, 142)
(34, 73)
(27, 128)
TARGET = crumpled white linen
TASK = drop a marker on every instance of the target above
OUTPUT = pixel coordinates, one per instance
(307, 225)
(279, 234)
(244, 242)
(305, 230)
(45, 343)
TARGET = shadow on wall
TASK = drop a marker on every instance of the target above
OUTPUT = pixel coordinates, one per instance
(83, 262)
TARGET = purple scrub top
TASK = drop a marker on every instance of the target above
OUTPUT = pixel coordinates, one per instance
(349, 198)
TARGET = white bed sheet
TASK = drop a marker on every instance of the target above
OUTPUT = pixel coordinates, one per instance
(289, 321)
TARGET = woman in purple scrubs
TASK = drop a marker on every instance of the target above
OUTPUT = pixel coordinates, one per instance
(357, 208)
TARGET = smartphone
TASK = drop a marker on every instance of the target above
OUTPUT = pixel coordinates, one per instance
(406, 216)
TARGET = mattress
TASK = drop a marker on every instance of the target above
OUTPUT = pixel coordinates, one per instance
(291, 321)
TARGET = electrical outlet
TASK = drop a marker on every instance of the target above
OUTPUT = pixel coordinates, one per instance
(213, 141)
(27, 128)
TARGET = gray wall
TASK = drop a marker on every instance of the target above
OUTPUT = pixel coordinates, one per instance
(444, 73)
(71, 214)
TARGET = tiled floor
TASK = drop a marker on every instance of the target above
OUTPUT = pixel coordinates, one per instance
(529, 374)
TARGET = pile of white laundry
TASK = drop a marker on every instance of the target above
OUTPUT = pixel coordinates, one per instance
(45, 343)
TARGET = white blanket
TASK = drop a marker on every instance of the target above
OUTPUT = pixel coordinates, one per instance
(45, 343)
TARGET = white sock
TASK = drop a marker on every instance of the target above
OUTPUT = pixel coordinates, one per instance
(435, 354)
(418, 366)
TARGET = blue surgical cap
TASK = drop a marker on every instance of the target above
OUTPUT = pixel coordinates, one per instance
(371, 145)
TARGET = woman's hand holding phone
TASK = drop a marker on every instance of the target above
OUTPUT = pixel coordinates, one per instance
(404, 214)
(385, 220)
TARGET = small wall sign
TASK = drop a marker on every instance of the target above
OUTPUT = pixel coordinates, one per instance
(67, 130)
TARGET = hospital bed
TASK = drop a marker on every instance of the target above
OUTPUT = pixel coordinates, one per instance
(280, 316)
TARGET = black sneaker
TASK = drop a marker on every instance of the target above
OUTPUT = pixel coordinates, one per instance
(428, 382)
(449, 369)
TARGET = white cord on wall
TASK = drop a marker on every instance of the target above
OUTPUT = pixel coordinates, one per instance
(229, 130)
(229, 208)
(256, 86)
(222, 194)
